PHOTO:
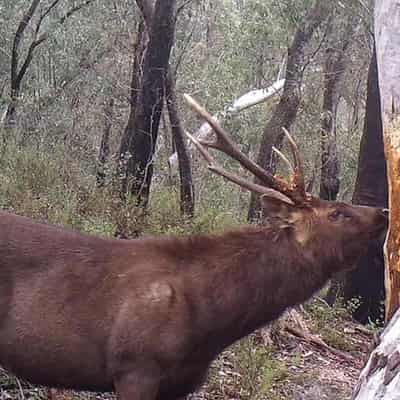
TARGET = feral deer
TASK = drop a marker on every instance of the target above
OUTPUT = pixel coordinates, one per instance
(146, 317)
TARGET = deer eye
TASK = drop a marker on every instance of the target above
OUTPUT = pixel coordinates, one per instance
(334, 215)
(339, 215)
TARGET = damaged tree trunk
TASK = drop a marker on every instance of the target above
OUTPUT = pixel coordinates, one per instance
(380, 378)
(387, 34)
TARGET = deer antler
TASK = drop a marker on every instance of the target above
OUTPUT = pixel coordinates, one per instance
(294, 193)
(214, 166)
(298, 178)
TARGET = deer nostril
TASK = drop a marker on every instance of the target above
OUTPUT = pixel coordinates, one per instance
(385, 214)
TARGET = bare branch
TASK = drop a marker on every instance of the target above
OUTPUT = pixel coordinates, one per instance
(17, 40)
(74, 10)
(43, 16)
(182, 6)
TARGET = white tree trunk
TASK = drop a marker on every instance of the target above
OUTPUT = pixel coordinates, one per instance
(380, 378)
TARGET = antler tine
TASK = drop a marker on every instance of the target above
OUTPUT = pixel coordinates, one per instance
(299, 168)
(214, 166)
(225, 144)
(284, 159)
(209, 158)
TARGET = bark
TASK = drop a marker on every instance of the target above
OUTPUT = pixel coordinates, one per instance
(387, 35)
(178, 135)
(286, 110)
(142, 138)
(380, 378)
(366, 281)
(104, 151)
(136, 82)
(333, 71)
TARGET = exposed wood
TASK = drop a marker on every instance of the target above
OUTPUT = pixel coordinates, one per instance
(380, 379)
(387, 36)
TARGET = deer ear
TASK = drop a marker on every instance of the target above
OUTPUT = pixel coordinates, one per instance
(276, 208)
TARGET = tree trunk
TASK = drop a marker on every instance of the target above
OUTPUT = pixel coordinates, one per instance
(286, 110)
(380, 378)
(366, 282)
(387, 35)
(16, 77)
(178, 135)
(330, 168)
(142, 138)
(136, 83)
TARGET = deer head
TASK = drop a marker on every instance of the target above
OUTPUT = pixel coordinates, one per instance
(286, 205)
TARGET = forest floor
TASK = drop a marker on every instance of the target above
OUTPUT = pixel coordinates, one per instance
(292, 368)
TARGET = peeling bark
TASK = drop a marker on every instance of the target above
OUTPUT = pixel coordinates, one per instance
(387, 35)
(380, 378)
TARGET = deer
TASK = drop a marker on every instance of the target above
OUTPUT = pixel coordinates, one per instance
(146, 317)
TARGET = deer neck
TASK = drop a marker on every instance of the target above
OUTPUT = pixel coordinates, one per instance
(247, 279)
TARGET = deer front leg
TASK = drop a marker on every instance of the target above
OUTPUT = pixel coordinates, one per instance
(137, 383)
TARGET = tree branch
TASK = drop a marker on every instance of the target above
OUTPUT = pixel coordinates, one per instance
(17, 40)
(147, 10)
(73, 10)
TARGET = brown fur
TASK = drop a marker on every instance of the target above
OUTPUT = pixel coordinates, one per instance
(146, 317)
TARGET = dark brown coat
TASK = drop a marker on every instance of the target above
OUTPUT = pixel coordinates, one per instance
(146, 317)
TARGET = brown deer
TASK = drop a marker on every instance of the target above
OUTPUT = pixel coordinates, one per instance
(146, 317)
